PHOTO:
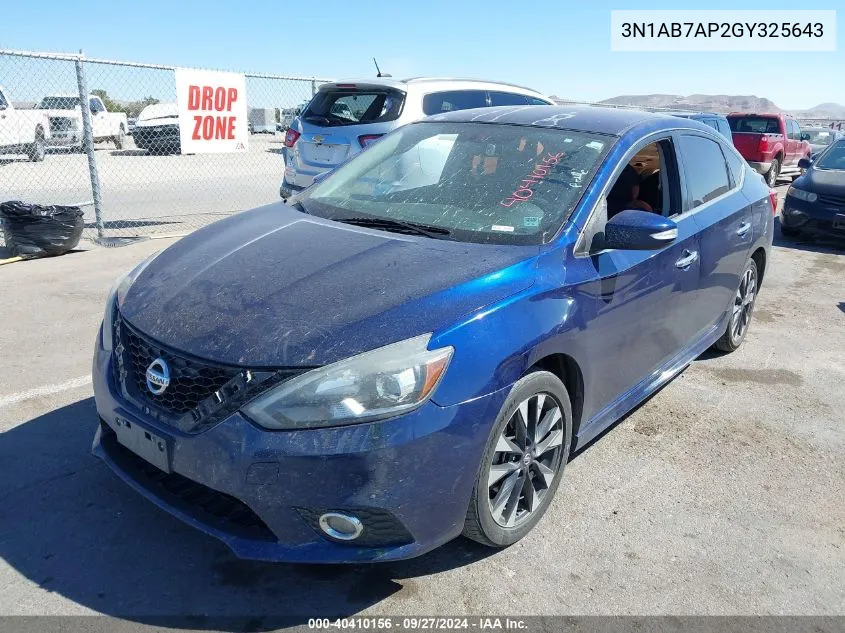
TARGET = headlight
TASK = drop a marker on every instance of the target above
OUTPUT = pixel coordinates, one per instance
(115, 299)
(382, 383)
(800, 194)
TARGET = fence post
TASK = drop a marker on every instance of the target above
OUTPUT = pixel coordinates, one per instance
(313, 86)
(88, 143)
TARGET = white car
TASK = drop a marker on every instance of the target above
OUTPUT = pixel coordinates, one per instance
(66, 121)
(346, 116)
(157, 129)
(22, 131)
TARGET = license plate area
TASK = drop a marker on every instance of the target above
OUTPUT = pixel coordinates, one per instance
(143, 443)
(325, 153)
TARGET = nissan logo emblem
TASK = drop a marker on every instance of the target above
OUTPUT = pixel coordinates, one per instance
(158, 377)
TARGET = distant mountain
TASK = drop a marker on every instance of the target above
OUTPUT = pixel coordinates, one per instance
(823, 111)
(721, 103)
(715, 103)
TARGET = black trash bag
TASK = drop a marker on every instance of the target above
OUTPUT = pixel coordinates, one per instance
(35, 230)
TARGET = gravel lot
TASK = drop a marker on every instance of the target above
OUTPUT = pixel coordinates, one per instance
(144, 194)
(722, 494)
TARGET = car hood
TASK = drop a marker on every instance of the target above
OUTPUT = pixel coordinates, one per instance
(274, 287)
(829, 182)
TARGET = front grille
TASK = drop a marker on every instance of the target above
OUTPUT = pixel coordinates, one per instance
(61, 124)
(165, 131)
(833, 201)
(191, 381)
(200, 392)
(206, 505)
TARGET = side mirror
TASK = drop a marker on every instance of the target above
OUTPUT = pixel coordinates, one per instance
(804, 163)
(637, 230)
(805, 136)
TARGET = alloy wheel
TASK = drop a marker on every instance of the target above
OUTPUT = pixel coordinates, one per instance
(526, 460)
(743, 304)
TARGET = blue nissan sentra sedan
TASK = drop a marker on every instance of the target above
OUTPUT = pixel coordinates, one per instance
(412, 348)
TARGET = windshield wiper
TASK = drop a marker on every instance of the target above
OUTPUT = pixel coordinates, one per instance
(398, 226)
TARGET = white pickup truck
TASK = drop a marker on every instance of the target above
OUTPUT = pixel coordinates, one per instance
(66, 121)
(22, 131)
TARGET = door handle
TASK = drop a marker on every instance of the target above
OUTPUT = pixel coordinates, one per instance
(689, 258)
(743, 229)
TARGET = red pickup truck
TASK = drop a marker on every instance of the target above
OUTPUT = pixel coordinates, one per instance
(771, 143)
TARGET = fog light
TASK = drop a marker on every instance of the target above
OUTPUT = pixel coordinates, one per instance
(341, 526)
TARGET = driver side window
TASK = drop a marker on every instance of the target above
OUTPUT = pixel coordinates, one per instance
(649, 181)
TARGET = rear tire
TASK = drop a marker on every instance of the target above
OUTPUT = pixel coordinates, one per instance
(742, 308)
(37, 149)
(120, 139)
(530, 466)
(773, 173)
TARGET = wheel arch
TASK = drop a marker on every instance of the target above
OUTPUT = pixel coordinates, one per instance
(567, 370)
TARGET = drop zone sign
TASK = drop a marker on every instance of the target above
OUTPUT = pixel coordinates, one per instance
(212, 111)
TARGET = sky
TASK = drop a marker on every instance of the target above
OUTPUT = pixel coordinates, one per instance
(560, 47)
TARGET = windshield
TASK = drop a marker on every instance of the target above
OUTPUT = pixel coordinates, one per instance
(819, 137)
(351, 106)
(473, 182)
(58, 103)
(832, 158)
(754, 124)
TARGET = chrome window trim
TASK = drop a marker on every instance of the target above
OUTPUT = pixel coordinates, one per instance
(632, 151)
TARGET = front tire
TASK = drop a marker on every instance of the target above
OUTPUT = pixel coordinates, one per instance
(789, 232)
(38, 148)
(742, 308)
(523, 462)
(773, 173)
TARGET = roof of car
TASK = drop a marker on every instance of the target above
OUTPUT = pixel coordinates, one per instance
(768, 114)
(599, 119)
(688, 114)
(399, 83)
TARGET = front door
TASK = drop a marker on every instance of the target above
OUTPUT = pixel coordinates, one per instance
(638, 306)
(99, 122)
(634, 314)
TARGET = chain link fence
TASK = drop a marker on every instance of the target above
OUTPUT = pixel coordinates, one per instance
(109, 143)
(126, 172)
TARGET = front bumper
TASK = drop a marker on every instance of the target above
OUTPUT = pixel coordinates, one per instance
(760, 167)
(409, 478)
(72, 138)
(157, 138)
(813, 217)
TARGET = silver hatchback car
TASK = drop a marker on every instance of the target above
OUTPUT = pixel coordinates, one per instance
(344, 117)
